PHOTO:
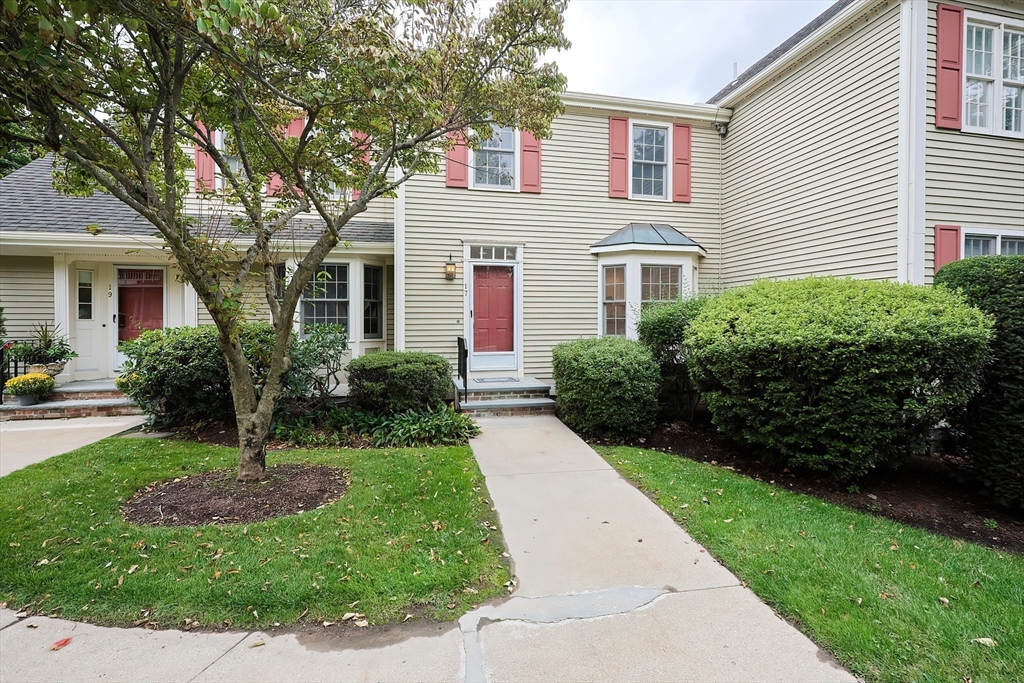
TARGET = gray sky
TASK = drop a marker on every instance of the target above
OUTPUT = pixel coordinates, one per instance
(673, 50)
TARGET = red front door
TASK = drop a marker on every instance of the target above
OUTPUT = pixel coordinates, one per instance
(493, 309)
(140, 301)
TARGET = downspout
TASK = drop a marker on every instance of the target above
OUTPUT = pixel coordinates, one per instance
(723, 130)
(399, 264)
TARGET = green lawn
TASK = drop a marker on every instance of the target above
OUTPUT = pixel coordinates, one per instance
(414, 533)
(866, 588)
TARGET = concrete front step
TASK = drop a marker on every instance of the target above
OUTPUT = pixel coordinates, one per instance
(57, 410)
(503, 389)
(504, 407)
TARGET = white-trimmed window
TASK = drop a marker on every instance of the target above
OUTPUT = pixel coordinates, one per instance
(989, 243)
(496, 163)
(325, 298)
(994, 75)
(660, 283)
(614, 303)
(85, 302)
(373, 302)
(220, 142)
(649, 161)
(487, 252)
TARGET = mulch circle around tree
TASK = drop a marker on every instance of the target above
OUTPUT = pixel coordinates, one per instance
(216, 498)
(926, 492)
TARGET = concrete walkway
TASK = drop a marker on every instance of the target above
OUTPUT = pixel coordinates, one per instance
(26, 442)
(609, 589)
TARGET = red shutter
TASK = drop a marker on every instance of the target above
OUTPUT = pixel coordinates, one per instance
(947, 245)
(529, 162)
(949, 52)
(681, 162)
(205, 176)
(361, 139)
(456, 167)
(294, 130)
(618, 157)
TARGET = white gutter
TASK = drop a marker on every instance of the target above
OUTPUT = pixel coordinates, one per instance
(663, 248)
(796, 52)
(698, 112)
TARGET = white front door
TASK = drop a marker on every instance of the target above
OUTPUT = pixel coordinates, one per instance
(138, 305)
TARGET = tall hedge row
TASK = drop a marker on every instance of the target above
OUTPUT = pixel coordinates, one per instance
(992, 423)
(838, 375)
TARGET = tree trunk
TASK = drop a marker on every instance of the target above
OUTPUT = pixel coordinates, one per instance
(253, 431)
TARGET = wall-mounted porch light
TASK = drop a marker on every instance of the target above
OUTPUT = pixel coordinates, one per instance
(449, 268)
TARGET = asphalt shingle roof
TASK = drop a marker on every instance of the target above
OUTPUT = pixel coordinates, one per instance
(647, 233)
(29, 203)
(782, 49)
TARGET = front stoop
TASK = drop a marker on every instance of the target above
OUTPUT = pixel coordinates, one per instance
(526, 396)
(98, 398)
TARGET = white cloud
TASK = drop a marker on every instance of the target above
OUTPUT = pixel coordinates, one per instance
(673, 50)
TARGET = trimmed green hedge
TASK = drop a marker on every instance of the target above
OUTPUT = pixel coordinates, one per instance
(838, 375)
(662, 328)
(606, 386)
(992, 423)
(392, 382)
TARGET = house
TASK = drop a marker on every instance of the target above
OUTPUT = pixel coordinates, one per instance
(880, 141)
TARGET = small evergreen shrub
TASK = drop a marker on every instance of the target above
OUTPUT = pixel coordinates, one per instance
(837, 375)
(606, 386)
(662, 328)
(439, 426)
(992, 424)
(37, 384)
(392, 382)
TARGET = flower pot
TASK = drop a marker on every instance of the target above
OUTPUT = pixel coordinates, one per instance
(28, 400)
(54, 369)
(36, 367)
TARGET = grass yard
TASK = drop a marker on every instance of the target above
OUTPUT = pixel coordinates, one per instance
(866, 588)
(413, 534)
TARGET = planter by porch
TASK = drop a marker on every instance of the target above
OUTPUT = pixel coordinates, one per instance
(28, 400)
(37, 367)
(54, 369)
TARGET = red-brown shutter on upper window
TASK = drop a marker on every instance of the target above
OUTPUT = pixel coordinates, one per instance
(293, 130)
(456, 167)
(529, 162)
(947, 245)
(363, 140)
(949, 50)
(618, 157)
(205, 174)
(681, 146)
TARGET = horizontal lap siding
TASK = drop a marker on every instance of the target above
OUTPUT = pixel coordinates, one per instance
(26, 293)
(389, 306)
(557, 228)
(970, 180)
(810, 164)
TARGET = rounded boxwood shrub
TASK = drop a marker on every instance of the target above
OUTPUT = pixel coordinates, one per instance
(391, 382)
(992, 424)
(837, 375)
(606, 386)
(179, 375)
(662, 328)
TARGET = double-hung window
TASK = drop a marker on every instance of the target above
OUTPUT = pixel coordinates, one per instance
(615, 300)
(220, 142)
(650, 152)
(373, 302)
(987, 245)
(325, 298)
(494, 164)
(659, 283)
(994, 76)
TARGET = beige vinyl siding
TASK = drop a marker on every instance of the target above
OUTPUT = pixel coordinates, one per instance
(810, 164)
(555, 228)
(389, 307)
(971, 180)
(26, 293)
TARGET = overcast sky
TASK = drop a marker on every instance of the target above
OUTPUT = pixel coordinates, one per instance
(673, 50)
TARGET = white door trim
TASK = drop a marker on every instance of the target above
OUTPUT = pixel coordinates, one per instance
(467, 315)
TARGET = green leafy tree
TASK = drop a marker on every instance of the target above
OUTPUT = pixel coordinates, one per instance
(14, 154)
(122, 90)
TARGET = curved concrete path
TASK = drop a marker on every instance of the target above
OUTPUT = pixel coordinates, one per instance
(26, 442)
(609, 589)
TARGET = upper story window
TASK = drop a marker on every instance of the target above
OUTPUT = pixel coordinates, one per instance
(325, 298)
(994, 76)
(220, 141)
(494, 164)
(649, 174)
(987, 245)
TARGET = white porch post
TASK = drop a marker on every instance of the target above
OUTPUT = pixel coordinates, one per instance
(190, 316)
(62, 304)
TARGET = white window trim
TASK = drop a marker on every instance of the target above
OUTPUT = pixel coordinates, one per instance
(467, 326)
(516, 166)
(682, 279)
(667, 125)
(602, 302)
(999, 233)
(996, 105)
(300, 312)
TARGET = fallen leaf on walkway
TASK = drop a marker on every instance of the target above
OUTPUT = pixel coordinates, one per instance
(258, 643)
(987, 642)
(639, 540)
(362, 623)
(944, 601)
(328, 623)
(63, 642)
(31, 625)
(702, 550)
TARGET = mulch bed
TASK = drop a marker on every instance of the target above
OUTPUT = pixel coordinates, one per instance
(216, 498)
(927, 492)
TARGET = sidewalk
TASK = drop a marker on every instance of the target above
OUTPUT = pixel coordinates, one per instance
(26, 442)
(610, 589)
